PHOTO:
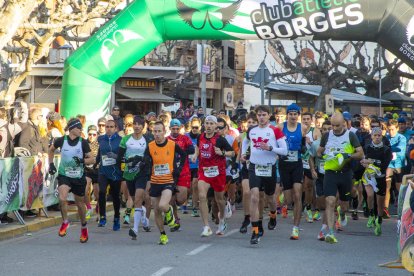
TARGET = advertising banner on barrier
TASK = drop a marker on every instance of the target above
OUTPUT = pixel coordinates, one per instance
(50, 187)
(11, 184)
(33, 176)
(406, 244)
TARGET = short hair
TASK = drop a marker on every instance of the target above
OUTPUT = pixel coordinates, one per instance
(225, 118)
(252, 115)
(392, 122)
(159, 123)
(34, 112)
(222, 120)
(263, 108)
(113, 121)
(319, 114)
(327, 122)
(365, 118)
(307, 114)
(195, 119)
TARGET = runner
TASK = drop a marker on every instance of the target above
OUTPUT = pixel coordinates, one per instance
(75, 152)
(109, 172)
(212, 150)
(184, 180)
(251, 122)
(318, 172)
(91, 172)
(162, 155)
(338, 147)
(265, 142)
(136, 172)
(193, 135)
(376, 161)
(312, 134)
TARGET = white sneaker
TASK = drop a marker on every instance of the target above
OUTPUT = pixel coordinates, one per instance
(144, 215)
(227, 210)
(206, 231)
(221, 228)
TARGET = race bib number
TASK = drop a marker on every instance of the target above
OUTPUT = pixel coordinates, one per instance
(305, 164)
(107, 161)
(322, 167)
(161, 169)
(211, 171)
(265, 171)
(292, 156)
(73, 172)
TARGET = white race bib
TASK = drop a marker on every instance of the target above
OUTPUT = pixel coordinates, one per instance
(394, 156)
(322, 167)
(265, 171)
(305, 164)
(292, 156)
(211, 171)
(107, 161)
(73, 172)
(161, 169)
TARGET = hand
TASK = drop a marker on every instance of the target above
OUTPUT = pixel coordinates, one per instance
(193, 158)
(112, 155)
(243, 158)
(77, 160)
(365, 163)
(314, 174)
(52, 169)
(218, 151)
(264, 146)
(308, 141)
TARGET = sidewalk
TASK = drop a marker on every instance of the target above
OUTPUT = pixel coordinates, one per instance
(15, 229)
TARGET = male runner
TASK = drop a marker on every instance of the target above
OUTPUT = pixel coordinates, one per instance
(212, 150)
(75, 152)
(193, 135)
(339, 146)
(265, 142)
(290, 166)
(136, 172)
(163, 156)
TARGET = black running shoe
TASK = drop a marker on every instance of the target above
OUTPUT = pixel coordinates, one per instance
(255, 238)
(272, 224)
(132, 234)
(354, 215)
(245, 224)
(261, 230)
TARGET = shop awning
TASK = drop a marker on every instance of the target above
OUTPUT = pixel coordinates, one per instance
(138, 95)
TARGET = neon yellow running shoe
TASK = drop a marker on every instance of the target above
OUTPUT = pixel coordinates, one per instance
(378, 229)
(163, 239)
(330, 238)
(371, 221)
(281, 198)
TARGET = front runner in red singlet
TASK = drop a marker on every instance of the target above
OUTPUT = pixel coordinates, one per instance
(212, 150)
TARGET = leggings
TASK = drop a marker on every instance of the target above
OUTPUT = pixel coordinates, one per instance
(115, 191)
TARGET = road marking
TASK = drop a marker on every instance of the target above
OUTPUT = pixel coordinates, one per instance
(198, 249)
(231, 232)
(162, 271)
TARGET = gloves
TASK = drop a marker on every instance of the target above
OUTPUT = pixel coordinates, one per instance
(112, 155)
(78, 160)
(52, 169)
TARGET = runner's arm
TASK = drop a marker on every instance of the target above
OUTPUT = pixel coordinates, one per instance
(281, 148)
(225, 147)
(88, 156)
(182, 156)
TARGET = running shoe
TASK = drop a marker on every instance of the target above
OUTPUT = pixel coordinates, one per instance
(221, 228)
(176, 226)
(378, 229)
(195, 213)
(63, 229)
(386, 213)
(295, 233)
(163, 239)
(354, 215)
(145, 224)
(169, 217)
(371, 222)
(272, 222)
(227, 210)
(144, 218)
(317, 216)
(255, 238)
(84, 235)
(278, 210)
(88, 214)
(206, 232)
(117, 225)
(338, 226)
(309, 216)
(284, 211)
(133, 234)
(342, 217)
(322, 234)
(330, 238)
(261, 230)
(126, 219)
(102, 222)
(184, 209)
(245, 224)
(282, 198)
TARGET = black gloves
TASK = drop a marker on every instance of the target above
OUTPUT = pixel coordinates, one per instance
(78, 160)
(52, 169)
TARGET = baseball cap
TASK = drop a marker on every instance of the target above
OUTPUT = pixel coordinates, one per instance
(150, 114)
(347, 116)
(92, 128)
(403, 113)
(402, 120)
(211, 118)
(175, 122)
(293, 107)
(115, 107)
(102, 120)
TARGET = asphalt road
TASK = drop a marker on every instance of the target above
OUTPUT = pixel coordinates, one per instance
(111, 253)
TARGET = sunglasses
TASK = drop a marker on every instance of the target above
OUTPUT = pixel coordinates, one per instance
(110, 126)
(115, 109)
(195, 127)
(221, 127)
(92, 134)
(101, 125)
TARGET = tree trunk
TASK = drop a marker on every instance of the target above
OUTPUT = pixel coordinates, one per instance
(326, 89)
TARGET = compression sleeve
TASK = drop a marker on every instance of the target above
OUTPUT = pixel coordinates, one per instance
(245, 145)
(281, 148)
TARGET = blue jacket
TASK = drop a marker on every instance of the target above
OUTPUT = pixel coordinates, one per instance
(107, 153)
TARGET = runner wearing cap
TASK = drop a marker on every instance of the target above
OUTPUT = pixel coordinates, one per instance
(91, 171)
(348, 120)
(116, 115)
(101, 126)
(193, 135)
(212, 150)
(184, 180)
(291, 167)
(75, 152)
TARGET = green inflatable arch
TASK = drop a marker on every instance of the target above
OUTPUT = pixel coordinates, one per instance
(144, 24)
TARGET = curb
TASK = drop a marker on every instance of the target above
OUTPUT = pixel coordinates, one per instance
(14, 230)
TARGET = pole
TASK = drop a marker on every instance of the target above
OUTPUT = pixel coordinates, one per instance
(203, 80)
(380, 82)
(262, 74)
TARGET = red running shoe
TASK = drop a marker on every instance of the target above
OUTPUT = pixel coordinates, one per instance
(84, 235)
(63, 229)
(284, 211)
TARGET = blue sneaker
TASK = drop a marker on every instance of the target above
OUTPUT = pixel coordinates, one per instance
(117, 225)
(102, 222)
